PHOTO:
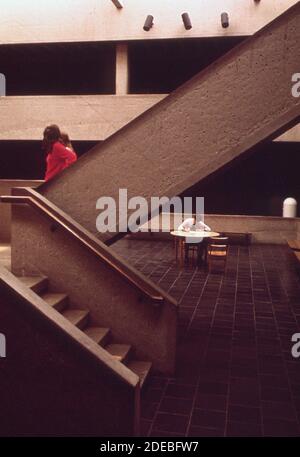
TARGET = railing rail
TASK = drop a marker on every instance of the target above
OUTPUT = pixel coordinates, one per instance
(24, 195)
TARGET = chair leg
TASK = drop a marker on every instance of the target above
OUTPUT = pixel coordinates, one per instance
(186, 253)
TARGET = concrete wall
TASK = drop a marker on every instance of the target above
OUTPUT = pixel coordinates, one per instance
(84, 117)
(49, 386)
(298, 230)
(263, 229)
(5, 209)
(98, 20)
(40, 248)
(237, 102)
(92, 117)
(291, 135)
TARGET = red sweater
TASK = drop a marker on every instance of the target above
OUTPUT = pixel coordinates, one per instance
(58, 159)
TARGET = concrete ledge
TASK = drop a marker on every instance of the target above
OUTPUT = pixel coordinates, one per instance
(101, 21)
(6, 186)
(84, 117)
(263, 229)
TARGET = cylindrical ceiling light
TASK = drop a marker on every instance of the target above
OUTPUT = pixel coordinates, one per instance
(148, 23)
(118, 4)
(225, 20)
(186, 21)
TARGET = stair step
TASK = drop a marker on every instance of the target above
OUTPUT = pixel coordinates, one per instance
(57, 301)
(77, 317)
(140, 368)
(36, 283)
(98, 334)
(119, 351)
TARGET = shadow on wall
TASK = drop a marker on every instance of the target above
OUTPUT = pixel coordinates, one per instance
(256, 185)
(154, 64)
(46, 68)
(26, 160)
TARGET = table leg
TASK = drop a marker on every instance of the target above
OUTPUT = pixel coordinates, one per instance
(181, 252)
(176, 248)
(205, 251)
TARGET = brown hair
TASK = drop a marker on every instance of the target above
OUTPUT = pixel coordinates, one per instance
(51, 135)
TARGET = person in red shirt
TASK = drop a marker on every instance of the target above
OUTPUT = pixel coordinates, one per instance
(59, 156)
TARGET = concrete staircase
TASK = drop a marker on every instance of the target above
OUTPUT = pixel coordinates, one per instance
(80, 318)
(240, 101)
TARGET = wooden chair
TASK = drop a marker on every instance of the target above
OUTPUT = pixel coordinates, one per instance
(217, 254)
(218, 240)
(215, 240)
(191, 248)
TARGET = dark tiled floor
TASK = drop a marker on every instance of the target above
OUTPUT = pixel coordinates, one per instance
(235, 372)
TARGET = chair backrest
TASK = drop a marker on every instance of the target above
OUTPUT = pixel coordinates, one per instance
(217, 249)
(219, 239)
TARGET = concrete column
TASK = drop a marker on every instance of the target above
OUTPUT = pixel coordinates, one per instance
(122, 69)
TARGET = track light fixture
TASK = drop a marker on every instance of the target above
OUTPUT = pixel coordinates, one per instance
(148, 23)
(118, 4)
(186, 21)
(225, 20)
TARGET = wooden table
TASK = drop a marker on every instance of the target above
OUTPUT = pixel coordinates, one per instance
(181, 237)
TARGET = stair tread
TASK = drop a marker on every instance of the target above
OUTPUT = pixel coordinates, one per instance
(97, 333)
(52, 298)
(118, 351)
(140, 368)
(76, 316)
(36, 283)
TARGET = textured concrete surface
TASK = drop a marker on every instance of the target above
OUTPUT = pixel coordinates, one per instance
(90, 20)
(122, 69)
(240, 100)
(291, 135)
(84, 117)
(5, 256)
(38, 247)
(5, 209)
